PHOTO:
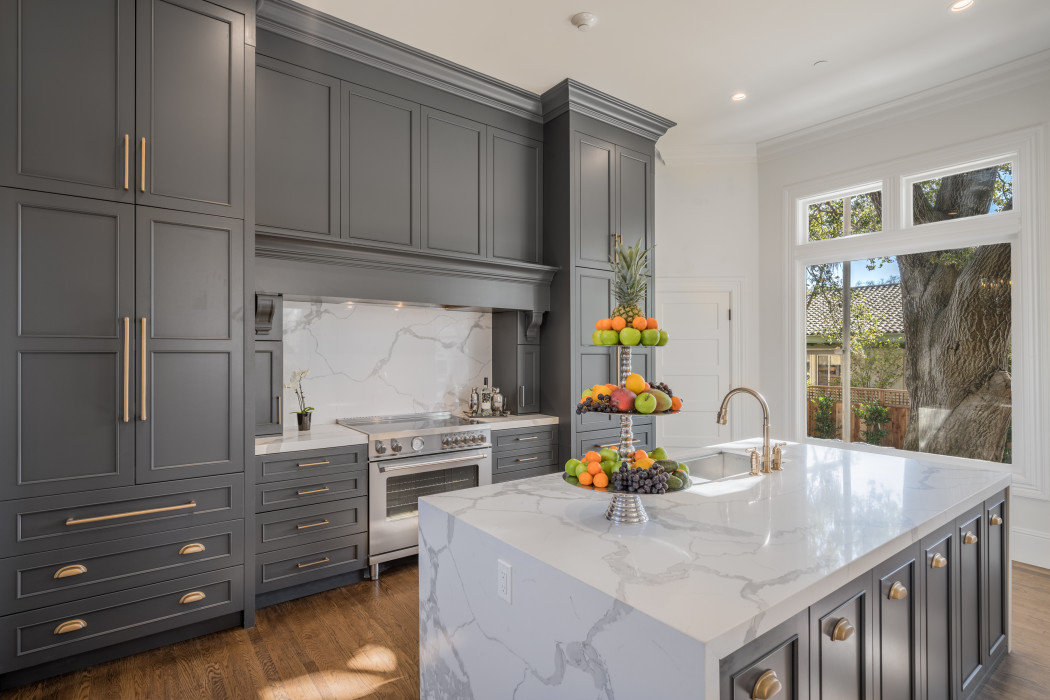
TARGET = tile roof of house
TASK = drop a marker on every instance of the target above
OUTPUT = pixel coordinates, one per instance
(884, 299)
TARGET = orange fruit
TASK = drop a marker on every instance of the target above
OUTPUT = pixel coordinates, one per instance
(676, 403)
(604, 325)
(634, 382)
(599, 389)
(594, 467)
(644, 463)
(585, 478)
(618, 323)
(639, 323)
(651, 323)
(639, 454)
(592, 456)
(611, 387)
(601, 480)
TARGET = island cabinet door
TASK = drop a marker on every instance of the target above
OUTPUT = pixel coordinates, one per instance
(776, 665)
(937, 580)
(998, 574)
(971, 599)
(840, 643)
(896, 622)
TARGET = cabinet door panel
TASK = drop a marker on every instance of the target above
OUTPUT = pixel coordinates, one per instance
(380, 173)
(633, 202)
(596, 367)
(938, 628)
(190, 106)
(840, 643)
(190, 298)
(528, 390)
(269, 360)
(453, 194)
(782, 652)
(595, 175)
(515, 208)
(971, 599)
(595, 300)
(897, 672)
(68, 71)
(998, 568)
(297, 150)
(68, 270)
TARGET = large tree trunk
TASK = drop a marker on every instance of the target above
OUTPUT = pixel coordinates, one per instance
(957, 330)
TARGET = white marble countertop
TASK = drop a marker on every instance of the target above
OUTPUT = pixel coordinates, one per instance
(319, 437)
(727, 560)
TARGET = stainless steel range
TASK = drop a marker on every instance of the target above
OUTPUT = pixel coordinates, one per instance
(410, 457)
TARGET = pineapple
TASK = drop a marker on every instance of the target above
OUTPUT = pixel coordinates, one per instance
(630, 281)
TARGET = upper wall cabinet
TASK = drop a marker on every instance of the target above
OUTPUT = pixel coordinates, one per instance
(515, 211)
(190, 107)
(297, 151)
(380, 182)
(595, 183)
(68, 106)
(453, 184)
(634, 208)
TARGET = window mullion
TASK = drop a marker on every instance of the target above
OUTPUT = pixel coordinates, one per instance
(847, 380)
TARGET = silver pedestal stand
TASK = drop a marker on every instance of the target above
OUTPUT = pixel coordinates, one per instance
(626, 508)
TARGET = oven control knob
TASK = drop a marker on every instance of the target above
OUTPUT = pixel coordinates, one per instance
(417, 444)
(473, 439)
(445, 442)
(395, 445)
(380, 447)
(458, 441)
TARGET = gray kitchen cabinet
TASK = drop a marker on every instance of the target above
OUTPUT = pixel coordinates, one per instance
(515, 203)
(896, 622)
(840, 643)
(380, 183)
(938, 628)
(516, 362)
(69, 366)
(634, 197)
(190, 383)
(972, 601)
(297, 151)
(67, 110)
(595, 180)
(189, 110)
(997, 584)
(644, 437)
(776, 665)
(527, 394)
(268, 388)
(309, 562)
(521, 453)
(453, 184)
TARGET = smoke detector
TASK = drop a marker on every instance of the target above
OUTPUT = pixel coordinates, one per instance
(584, 20)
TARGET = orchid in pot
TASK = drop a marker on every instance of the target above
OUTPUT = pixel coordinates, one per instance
(304, 412)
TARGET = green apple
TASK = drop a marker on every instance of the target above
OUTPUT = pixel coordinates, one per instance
(610, 338)
(630, 336)
(663, 337)
(572, 480)
(596, 338)
(608, 454)
(608, 466)
(658, 453)
(587, 394)
(645, 403)
(650, 336)
(580, 468)
(571, 465)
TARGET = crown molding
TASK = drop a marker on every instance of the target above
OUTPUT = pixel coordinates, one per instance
(988, 83)
(306, 25)
(570, 95)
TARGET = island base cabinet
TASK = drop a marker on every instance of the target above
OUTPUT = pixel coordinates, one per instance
(776, 665)
(840, 643)
(938, 604)
(998, 574)
(896, 612)
(971, 600)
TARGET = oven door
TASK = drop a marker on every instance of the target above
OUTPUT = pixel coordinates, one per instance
(395, 487)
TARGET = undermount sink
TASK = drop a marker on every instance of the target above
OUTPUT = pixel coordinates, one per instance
(719, 465)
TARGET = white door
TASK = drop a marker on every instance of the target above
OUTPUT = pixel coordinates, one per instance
(695, 363)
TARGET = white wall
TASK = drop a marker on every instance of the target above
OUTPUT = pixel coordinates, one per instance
(1011, 99)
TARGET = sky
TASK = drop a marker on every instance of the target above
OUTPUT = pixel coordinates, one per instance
(860, 275)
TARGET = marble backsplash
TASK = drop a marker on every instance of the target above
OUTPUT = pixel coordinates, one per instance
(378, 359)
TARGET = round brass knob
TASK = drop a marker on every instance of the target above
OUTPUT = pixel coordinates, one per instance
(767, 686)
(939, 561)
(843, 630)
(997, 519)
(969, 538)
(898, 591)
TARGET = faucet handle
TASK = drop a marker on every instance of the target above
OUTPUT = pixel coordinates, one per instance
(755, 460)
(778, 456)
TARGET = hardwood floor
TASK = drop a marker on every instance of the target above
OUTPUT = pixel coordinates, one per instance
(362, 641)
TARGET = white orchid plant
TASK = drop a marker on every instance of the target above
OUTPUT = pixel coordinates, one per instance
(297, 386)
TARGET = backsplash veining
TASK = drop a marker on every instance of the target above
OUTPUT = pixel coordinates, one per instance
(376, 359)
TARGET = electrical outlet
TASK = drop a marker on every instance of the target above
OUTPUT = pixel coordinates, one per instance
(503, 579)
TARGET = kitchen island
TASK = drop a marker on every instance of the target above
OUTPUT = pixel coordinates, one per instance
(729, 577)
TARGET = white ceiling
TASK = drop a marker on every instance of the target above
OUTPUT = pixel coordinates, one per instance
(683, 58)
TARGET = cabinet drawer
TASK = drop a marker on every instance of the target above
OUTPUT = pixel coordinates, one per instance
(525, 459)
(35, 637)
(295, 565)
(309, 490)
(285, 528)
(597, 439)
(37, 580)
(68, 520)
(528, 473)
(293, 465)
(518, 439)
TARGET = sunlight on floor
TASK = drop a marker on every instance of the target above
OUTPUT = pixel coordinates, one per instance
(369, 670)
(373, 658)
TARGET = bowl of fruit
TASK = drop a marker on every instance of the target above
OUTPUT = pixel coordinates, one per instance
(635, 397)
(642, 473)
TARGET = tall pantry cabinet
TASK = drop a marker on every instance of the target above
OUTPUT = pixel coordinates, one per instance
(122, 353)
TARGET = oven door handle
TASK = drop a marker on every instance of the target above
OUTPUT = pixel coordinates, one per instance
(474, 456)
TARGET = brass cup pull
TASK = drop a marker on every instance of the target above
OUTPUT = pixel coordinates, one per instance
(192, 548)
(323, 489)
(313, 563)
(70, 626)
(115, 516)
(526, 459)
(767, 686)
(997, 519)
(843, 630)
(969, 538)
(314, 464)
(939, 561)
(306, 527)
(192, 597)
(71, 570)
(127, 365)
(898, 591)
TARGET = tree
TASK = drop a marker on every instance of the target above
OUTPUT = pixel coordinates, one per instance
(824, 424)
(874, 415)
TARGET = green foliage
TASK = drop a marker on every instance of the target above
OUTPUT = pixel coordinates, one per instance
(824, 423)
(874, 415)
(877, 367)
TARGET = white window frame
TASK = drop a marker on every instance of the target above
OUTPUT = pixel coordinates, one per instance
(1021, 227)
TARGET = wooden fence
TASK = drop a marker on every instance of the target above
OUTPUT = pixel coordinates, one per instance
(896, 401)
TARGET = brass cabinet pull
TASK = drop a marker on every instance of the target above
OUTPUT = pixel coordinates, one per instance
(534, 437)
(71, 570)
(99, 518)
(313, 563)
(969, 538)
(313, 464)
(616, 444)
(997, 519)
(307, 493)
(142, 411)
(192, 597)
(526, 459)
(143, 163)
(279, 417)
(127, 365)
(843, 630)
(192, 548)
(70, 626)
(939, 561)
(767, 686)
(305, 527)
(522, 402)
(127, 139)
(898, 591)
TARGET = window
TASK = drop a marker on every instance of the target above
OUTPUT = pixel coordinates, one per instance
(978, 192)
(827, 219)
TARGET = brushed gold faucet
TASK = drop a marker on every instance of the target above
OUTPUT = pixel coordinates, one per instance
(770, 459)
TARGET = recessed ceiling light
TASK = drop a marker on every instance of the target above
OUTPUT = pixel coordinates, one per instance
(584, 20)
(960, 5)
(738, 96)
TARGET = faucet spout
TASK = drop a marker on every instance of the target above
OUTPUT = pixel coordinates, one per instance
(723, 418)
